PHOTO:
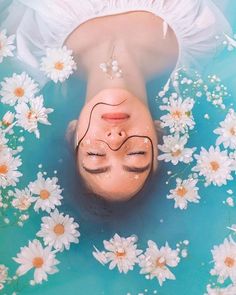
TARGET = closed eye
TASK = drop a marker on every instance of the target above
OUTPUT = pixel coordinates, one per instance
(95, 154)
(137, 153)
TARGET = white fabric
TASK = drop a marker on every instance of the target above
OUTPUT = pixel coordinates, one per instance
(39, 24)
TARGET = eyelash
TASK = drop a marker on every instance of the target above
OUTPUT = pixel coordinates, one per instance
(130, 154)
(95, 154)
(137, 153)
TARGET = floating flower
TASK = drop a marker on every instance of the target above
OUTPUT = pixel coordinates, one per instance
(58, 64)
(224, 257)
(227, 131)
(215, 165)
(8, 168)
(3, 141)
(155, 262)
(18, 89)
(59, 231)
(28, 117)
(121, 252)
(22, 199)
(42, 260)
(3, 274)
(185, 191)
(48, 193)
(179, 118)
(174, 149)
(6, 45)
(230, 290)
(8, 119)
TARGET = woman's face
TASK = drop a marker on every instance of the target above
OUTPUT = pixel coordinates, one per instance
(117, 144)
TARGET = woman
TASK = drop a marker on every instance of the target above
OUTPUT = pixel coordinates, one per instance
(119, 45)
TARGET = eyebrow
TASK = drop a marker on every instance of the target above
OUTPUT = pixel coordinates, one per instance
(126, 168)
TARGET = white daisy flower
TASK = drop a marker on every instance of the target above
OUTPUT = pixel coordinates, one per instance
(230, 290)
(8, 118)
(224, 257)
(18, 89)
(42, 260)
(8, 169)
(3, 141)
(48, 193)
(185, 191)
(3, 273)
(214, 165)
(174, 149)
(155, 262)
(58, 64)
(179, 118)
(22, 199)
(121, 252)
(227, 131)
(59, 231)
(28, 117)
(6, 45)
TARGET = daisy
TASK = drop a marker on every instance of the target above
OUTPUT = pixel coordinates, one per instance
(3, 273)
(230, 290)
(224, 257)
(155, 262)
(58, 64)
(174, 150)
(48, 193)
(42, 260)
(6, 45)
(59, 231)
(8, 169)
(8, 119)
(185, 191)
(179, 118)
(121, 252)
(28, 117)
(22, 199)
(227, 131)
(18, 89)
(215, 165)
(3, 141)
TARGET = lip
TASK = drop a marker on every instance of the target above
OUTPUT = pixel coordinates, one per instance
(115, 117)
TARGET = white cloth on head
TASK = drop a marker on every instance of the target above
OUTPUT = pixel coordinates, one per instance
(47, 23)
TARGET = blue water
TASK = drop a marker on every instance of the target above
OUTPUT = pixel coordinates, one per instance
(151, 217)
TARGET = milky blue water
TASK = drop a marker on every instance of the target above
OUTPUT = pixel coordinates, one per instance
(151, 217)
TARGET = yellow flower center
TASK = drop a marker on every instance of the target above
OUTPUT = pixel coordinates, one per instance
(177, 114)
(19, 92)
(44, 194)
(37, 262)
(31, 115)
(59, 229)
(120, 253)
(229, 261)
(160, 262)
(181, 191)
(59, 66)
(3, 169)
(233, 131)
(214, 165)
(176, 153)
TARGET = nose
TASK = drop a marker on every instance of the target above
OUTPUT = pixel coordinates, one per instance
(115, 136)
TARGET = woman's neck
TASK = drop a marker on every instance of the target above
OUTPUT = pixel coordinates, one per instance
(132, 77)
